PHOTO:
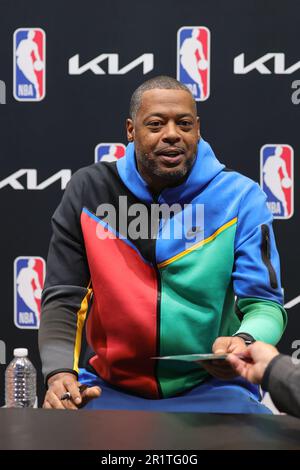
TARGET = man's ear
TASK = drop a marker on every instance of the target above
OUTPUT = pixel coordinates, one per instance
(130, 130)
(198, 122)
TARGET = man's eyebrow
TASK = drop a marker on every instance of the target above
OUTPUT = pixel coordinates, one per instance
(178, 116)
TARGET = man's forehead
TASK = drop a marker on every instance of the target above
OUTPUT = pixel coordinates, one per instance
(157, 100)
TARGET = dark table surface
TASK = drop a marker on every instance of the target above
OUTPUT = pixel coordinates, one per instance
(101, 430)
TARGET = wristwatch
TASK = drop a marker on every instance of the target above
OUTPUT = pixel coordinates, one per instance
(246, 337)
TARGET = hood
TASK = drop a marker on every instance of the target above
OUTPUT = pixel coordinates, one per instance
(205, 167)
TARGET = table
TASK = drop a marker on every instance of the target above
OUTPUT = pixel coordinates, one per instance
(39, 429)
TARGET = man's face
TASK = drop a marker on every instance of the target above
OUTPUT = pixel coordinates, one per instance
(165, 133)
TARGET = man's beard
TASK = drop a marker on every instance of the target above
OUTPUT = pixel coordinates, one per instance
(171, 176)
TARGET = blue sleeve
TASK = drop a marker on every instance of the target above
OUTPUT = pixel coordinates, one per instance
(256, 271)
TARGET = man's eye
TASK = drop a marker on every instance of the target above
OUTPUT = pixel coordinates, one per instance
(185, 123)
(154, 124)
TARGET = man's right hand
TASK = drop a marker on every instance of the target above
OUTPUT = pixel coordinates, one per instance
(64, 382)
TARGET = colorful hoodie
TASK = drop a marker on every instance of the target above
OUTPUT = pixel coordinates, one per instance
(157, 295)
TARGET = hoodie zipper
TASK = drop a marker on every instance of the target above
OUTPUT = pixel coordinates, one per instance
(158, 307)
(158, 302)
(266, 255)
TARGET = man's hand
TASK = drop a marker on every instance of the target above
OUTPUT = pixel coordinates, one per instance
(225, 345)
(256, 360)
(66, 382)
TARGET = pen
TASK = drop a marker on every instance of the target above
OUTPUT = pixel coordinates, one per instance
(67, 395)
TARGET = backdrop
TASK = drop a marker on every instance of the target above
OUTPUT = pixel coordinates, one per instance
(67, 71)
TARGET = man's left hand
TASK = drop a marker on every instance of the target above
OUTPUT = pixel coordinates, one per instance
(224, 345)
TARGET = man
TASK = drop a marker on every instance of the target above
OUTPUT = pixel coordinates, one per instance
(168, 290)
(262, 364)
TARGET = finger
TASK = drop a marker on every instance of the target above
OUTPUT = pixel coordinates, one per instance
(238, 364)
(89, 394)
(237, 347)
(248, 352)
(233, 360)
(73, 388)
(220, 346)
(92, 392)
(242, 369)
(69, 405)
(55, 401)
(240, 359)
(46, 405)
(57, 388)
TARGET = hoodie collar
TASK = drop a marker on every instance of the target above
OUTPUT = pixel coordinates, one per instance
(205, 167)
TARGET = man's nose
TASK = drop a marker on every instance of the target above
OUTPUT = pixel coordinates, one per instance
(171, 133)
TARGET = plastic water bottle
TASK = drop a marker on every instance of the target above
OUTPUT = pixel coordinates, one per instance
(20, 381)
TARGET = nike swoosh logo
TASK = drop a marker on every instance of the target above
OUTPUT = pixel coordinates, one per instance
(192, 232)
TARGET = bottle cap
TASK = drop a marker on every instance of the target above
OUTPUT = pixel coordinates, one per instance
(20, 352)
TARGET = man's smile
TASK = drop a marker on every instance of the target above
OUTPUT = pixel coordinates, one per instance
(170, 159)
(170, 155)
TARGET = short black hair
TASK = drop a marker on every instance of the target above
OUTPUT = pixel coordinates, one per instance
(162, 82)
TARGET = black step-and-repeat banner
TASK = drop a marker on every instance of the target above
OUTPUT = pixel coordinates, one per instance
(67, 71)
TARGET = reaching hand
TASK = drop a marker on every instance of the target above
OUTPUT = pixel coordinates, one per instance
(256, 359)
(225, 345)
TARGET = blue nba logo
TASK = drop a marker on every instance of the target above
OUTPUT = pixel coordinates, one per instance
(277, 178)
(29, 64)
(29, 275)
(109, 152)
(193, 60)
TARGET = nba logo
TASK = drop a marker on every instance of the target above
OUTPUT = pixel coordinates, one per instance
(29, 64)
(29, 275)
(109, 152)
(193, 60)
(277, 178)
